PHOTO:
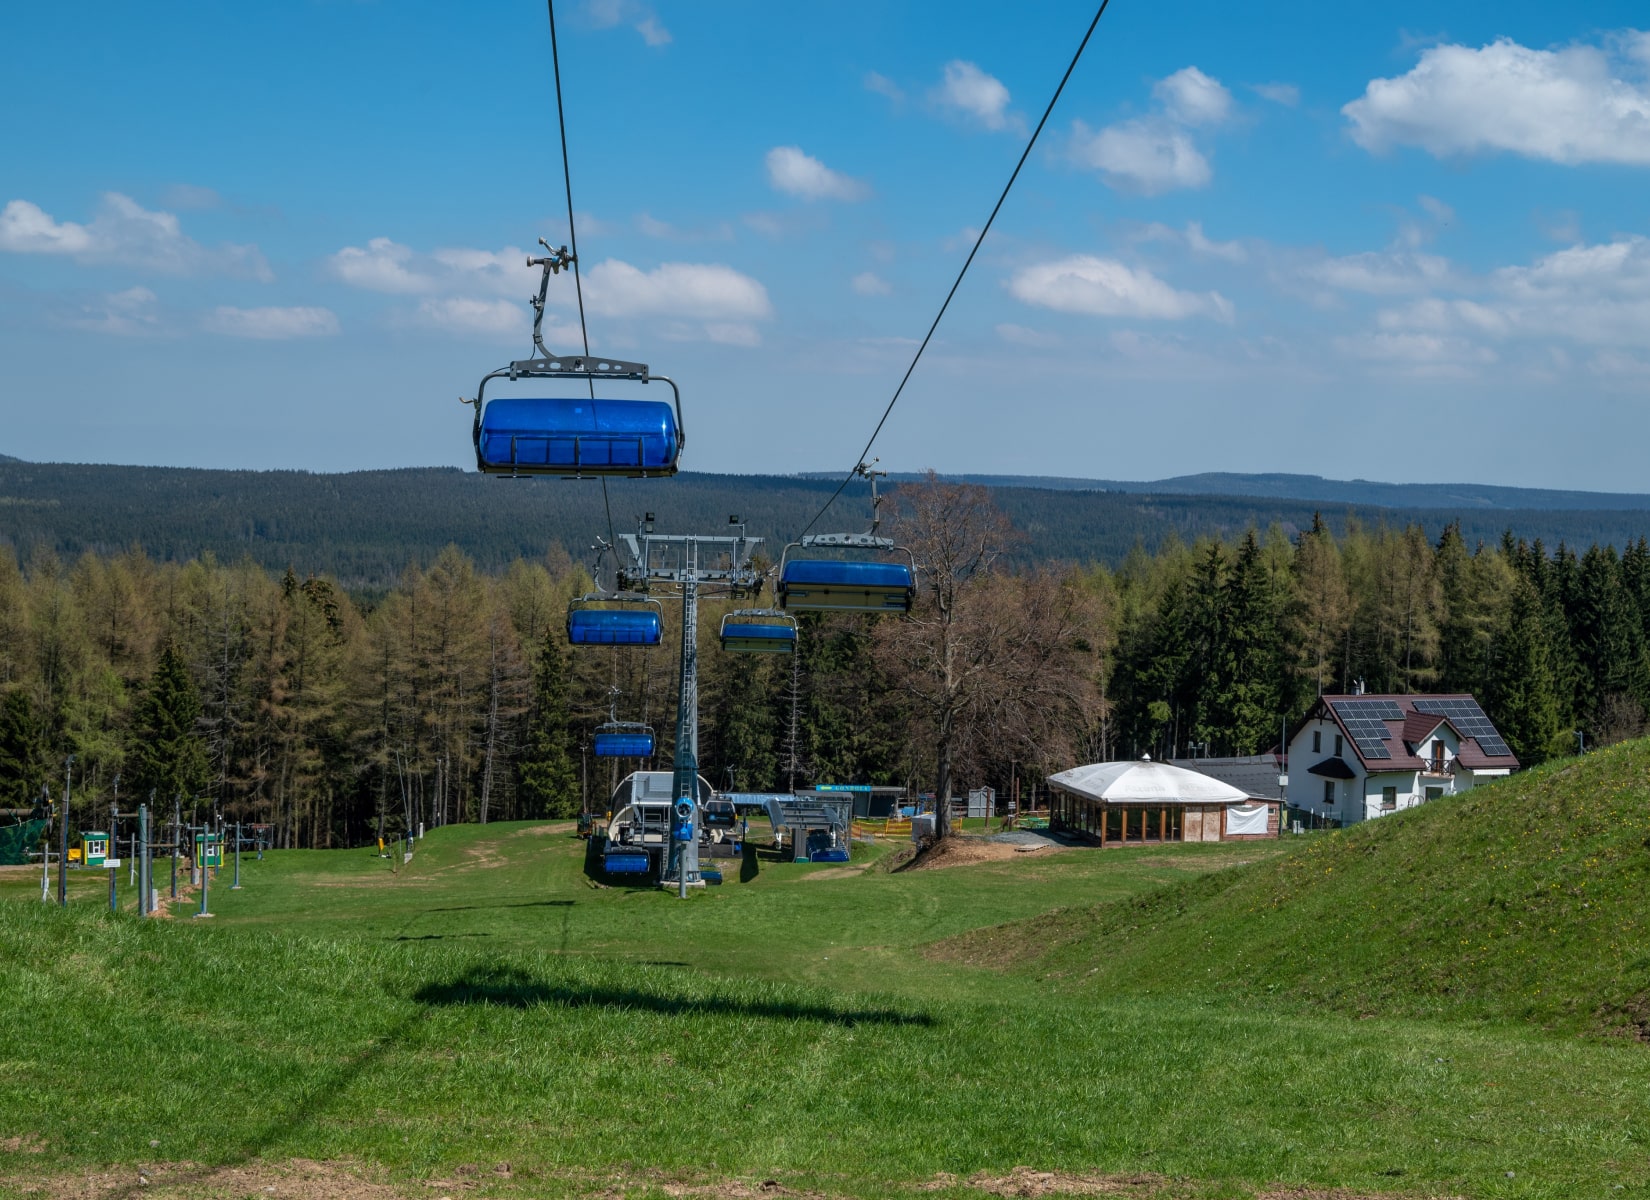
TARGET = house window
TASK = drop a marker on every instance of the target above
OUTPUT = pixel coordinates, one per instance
(1389, 798)
(1340, 744)
(1329, 793)
(1438, 757)
(1317, 741)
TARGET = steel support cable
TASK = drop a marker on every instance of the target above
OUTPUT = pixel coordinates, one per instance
(978, 242)
(573, 240)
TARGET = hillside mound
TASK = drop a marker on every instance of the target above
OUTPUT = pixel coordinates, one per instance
(1527, 898)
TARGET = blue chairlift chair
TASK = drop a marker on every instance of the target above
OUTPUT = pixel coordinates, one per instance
(758, 631)
(620, 860)
(822, 847)
(864, 581)
(572, 436)
(623, 739)
(621, 619)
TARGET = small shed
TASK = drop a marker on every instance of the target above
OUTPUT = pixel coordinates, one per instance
(1146, 802)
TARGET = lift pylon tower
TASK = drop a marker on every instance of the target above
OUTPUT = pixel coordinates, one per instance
(685, 562)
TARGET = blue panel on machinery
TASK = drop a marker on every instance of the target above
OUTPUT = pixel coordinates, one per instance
(572, 436)
(614, 627)
(626, 862)
(623, 745)
(777, 639)
(837, 855)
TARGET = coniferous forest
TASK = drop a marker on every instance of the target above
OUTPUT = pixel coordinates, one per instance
(452, 696)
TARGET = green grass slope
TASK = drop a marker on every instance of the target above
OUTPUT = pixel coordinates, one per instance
(127, 1042)
(1527, 899)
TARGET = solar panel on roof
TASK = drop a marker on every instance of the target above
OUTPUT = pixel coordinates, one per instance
(1470, 721)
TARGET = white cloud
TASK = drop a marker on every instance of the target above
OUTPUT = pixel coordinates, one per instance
(605, 14)
(1147, 156)
(379, 267)
(1156, 153)
(704, 291)
(134, 312)
(798, 174)
(1199, 244)
(1104, 287)
(488, 318)
(271, 324)
(1019, 335)
(1193, 98)
(1435, 314)
(1571, 105)
(869, 283)
(1286, 94)
(883, 86)
(504, 271)
(975, 95)
(25, 228)
(1427, 354)
(124, 232)
(1381, 272)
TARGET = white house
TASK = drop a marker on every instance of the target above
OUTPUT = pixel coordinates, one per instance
(1353, 758)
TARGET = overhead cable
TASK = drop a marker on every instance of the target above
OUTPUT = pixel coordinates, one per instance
(978, 241)
(573, 236)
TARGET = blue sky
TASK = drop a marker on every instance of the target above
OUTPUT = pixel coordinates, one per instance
(1401, 242)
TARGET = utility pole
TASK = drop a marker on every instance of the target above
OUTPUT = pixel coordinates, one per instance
(114, 845)
(143, 857)
(237, 884)
(63, 836)
(177, 838)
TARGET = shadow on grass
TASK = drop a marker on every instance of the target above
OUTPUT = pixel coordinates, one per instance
(523, 904)
(434, 937)
(512, 988)
(749, 868)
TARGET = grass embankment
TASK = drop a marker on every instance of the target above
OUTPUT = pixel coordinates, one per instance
(1525, 899)
(486, 1005)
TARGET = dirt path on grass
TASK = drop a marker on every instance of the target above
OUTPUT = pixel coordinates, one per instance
(966, 851)
(305, 1179)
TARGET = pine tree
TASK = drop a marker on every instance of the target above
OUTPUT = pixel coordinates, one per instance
(167, 753)
(548, 772)
(22, 768)
(1247, 703)
(1521, 687)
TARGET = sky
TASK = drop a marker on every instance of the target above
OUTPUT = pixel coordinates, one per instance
(1407, 242)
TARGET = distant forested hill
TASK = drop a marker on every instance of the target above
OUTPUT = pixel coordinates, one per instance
(364, 527)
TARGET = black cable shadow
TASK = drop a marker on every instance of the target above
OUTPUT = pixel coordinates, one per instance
(523, 904)
(514, 988)
(433, 937)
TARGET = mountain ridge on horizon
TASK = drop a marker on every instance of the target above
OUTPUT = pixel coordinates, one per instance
(1257, 485)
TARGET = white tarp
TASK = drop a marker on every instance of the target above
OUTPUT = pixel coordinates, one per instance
(1247, 820)
(1145, 782)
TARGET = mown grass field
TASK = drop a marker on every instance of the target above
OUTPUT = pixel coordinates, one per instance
(818, 1028)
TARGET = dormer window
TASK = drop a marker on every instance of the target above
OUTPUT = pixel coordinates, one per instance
(1438, 757)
